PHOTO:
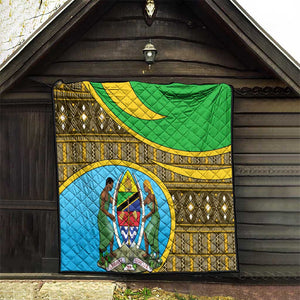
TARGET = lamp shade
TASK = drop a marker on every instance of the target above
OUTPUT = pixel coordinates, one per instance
(149, 53)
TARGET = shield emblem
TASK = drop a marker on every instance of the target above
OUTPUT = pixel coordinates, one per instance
(128, 209)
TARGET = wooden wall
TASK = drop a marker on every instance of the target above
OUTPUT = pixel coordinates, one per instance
(265, 135)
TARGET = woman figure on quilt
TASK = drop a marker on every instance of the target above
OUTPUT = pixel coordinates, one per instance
(151, 230)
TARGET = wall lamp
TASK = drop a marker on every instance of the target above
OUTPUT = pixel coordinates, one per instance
(149, 53)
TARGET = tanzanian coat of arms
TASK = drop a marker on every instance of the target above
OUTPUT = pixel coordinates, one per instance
(129, 217)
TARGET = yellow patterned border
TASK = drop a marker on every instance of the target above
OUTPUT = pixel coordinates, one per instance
(208, 174)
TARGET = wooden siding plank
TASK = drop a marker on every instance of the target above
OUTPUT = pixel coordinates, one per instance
(25, 204)
(136, 28)
(132, 68)
(285, 105)
(267, 181)
(276, 218)
(16, 110)
(267, 132)
(251, 270)
(266, 145)
(266, 120)
(175, 50)
(268, 258)
(129, 9)
(266, 231)
(267, 205)
(13, 96)
(266, 159)
(148, 77)
(267, 192)
(278, 246)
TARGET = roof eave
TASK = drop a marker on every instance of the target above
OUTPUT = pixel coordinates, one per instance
(230, 14)
(44, 40)
(19, 49)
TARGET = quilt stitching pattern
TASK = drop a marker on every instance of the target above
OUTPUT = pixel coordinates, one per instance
(145, 177)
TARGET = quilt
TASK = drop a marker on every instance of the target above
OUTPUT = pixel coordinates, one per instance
(145, 177)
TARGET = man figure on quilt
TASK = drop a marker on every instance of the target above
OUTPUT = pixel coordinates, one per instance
(105, 228)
